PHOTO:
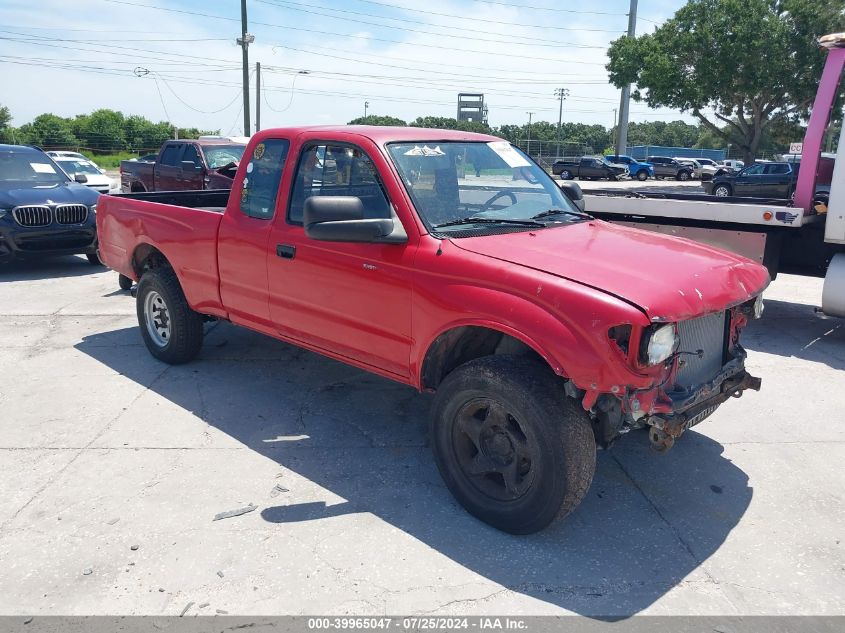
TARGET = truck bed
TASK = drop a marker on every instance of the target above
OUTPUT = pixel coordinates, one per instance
(182, 225)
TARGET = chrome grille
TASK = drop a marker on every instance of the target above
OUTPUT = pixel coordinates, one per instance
(32, 216)
(71, 213)
(706, 333)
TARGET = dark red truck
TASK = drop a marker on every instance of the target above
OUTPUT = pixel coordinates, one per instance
(541, 330)
(184, 165)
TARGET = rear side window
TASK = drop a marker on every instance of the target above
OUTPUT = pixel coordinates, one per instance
(260, 186)
(170, 156)
(337, 170)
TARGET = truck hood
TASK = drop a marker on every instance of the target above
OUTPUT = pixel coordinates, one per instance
(51, 194)
(669, 278)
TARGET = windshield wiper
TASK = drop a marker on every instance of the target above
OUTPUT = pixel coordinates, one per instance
(477, 220)
(550, 212)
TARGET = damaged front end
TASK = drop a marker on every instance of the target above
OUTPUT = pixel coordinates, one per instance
(696, 365)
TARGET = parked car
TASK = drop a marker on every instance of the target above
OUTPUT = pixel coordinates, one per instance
(760, 180)
(181, 165)
(636, 169)
(665, 167)
(729, 166)
(540, 330)
(706, 168)
(43, 211)
(95, 178)
(588, 167)
(67, 154)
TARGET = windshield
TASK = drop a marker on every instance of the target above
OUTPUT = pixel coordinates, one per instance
(453, 180)
(706, 161)
(218, 156)
(78, 166)
(31, 168)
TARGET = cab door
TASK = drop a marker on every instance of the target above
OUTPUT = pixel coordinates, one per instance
(193, 174)
(244, 235)
(349, 299)
(167, 172)
(751, 182)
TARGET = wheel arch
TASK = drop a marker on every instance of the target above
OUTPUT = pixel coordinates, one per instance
(461, 343)
(146, 256)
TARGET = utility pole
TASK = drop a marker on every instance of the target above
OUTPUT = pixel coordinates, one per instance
(366, 105)
(622, 136)
(560, 93)
(244, 41)
(528, 142)
(257, 96)
(613, 129)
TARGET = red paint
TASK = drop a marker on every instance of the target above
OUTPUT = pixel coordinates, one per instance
(381, 306)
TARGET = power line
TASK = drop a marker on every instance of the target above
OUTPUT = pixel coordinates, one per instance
(478, 19)
(555, 10)
(358, 36)
(284, 4)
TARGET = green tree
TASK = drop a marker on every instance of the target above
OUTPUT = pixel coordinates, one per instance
(48, 130)
(6, 130)
(449, 123)
(376, 119)
(752, 62)
(102, 129)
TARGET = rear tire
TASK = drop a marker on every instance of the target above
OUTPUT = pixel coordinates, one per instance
(124, 282)
(171, 331)
(512, 448)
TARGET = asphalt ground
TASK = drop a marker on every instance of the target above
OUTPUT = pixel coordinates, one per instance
(114, 465)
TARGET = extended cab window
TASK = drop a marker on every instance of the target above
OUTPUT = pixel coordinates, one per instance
(337, 170)
(262, 179)
(170, 156)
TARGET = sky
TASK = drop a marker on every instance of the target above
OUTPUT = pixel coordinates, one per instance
(177, 60)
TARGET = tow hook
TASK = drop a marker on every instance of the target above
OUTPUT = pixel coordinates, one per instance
(660, 440)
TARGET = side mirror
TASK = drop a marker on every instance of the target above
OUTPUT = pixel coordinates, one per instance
(80, 178)
(189, 165)
(341, 219)
(573, 191)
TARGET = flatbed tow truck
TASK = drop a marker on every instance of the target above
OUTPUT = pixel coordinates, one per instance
(805, 235)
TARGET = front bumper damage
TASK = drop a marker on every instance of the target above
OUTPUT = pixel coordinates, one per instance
(731, 382)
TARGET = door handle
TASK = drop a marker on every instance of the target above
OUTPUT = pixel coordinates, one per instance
(285, 251)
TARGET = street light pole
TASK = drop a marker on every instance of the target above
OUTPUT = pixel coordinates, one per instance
(622, 136)
(244, 41)
(528, 142)
(560, 93)
(257, 96)
(366, 105)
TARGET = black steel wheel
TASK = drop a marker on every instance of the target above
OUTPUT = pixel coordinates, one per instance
(512, 448)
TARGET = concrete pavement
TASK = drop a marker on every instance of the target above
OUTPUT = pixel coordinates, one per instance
(104, 449)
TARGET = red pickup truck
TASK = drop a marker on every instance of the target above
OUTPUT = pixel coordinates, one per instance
(184, 165)
(541, 330)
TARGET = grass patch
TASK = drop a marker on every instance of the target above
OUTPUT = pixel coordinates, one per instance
(111, 161)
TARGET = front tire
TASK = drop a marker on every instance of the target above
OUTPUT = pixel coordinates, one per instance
(566, 175)
(722, 191)
(683, 176)
(642, 175)
(171, 331)
(94, 259)
(512, 448)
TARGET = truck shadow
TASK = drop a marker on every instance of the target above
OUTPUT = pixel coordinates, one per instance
(797, 330)
(47, 268)
(647, 525)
